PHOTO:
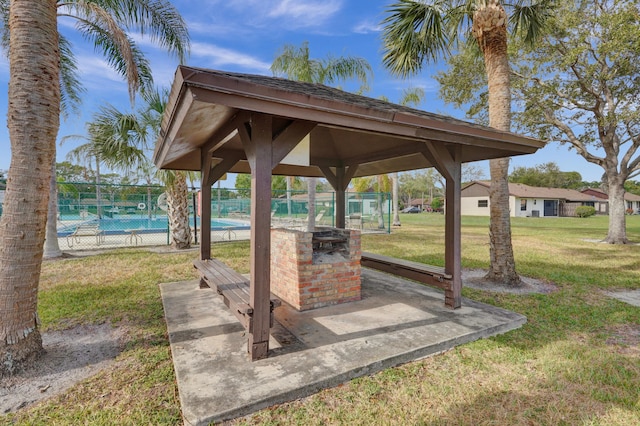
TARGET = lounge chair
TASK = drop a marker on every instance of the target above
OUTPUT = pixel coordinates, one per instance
(87, 229)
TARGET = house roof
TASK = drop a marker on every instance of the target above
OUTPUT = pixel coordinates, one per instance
(628, 196)
(525, 191)
(346, 129)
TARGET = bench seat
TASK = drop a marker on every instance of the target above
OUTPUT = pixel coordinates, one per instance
(427, 274)
(233, 287)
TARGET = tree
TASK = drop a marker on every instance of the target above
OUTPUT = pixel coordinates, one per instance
(583, 83)
(579, 88)
(39, 59)
(296, 64)
(546, 175)
(419, 31)
(410, 96)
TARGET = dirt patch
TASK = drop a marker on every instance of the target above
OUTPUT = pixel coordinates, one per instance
(626, 337)
(474, 278)
(70, 356)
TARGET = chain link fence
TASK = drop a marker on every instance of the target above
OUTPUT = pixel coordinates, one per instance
(94, 215)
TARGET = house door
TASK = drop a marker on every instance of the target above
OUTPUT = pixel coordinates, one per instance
(551, 207)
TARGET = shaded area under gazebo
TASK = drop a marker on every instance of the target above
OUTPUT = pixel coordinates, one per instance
(218, 122)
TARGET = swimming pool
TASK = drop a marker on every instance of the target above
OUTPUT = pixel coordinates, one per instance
(124, 225)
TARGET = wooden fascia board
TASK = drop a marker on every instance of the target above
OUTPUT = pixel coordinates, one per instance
(177, 113)
(467, 129)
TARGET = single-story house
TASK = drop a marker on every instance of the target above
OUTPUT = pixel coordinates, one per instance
(632, 201)
(525, 200)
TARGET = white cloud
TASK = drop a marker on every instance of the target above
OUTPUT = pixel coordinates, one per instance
(239, 15)
(306, 13)
(367, 27)
(217, 56)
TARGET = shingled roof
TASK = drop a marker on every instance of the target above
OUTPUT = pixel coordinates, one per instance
(348, 129)
(525, 191)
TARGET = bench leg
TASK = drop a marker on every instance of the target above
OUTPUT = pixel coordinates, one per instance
(203, 283)
(257, 350)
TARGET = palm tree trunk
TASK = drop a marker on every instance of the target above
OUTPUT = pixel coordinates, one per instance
(490, 30)
(33, 122)
(289, 181)
(51, 246)
(98, 189)
(394, 190)
(178, 212)
(311, 190)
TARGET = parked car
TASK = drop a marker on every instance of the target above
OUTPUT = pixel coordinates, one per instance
(412, 209)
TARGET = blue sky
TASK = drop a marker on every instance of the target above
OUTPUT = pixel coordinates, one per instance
(245, 36)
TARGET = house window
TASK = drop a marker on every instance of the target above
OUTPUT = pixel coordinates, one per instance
(483, 203)
(523, 205)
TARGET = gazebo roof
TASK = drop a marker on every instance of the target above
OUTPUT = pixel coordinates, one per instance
(346, 129)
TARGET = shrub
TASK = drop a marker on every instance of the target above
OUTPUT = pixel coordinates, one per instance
(585, 211)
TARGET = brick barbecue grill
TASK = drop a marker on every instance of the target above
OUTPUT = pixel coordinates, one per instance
(314, 269)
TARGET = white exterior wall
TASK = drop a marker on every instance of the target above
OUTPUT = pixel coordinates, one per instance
(539, 206)
(469, 206)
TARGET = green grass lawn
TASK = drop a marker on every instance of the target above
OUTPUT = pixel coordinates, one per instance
(575, 362)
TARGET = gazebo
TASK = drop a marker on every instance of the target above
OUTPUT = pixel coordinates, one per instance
(218, 122)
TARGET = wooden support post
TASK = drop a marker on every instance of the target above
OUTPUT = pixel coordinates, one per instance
(453, 233)
(205, 207)
(340, 181)
(448, 162)
(259, 151)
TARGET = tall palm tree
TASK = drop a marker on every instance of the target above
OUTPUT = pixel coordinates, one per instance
(410, 96)
(40, 59)
(113, 138)
(416, 32)
(296, 64)
(177, 192)
(174, 181)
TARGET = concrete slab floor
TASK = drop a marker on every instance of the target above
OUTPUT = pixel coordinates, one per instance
(396, 321)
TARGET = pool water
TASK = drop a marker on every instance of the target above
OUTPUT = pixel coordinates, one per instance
(156, 224)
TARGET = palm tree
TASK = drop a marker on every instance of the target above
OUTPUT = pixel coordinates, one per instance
(174, 181)
(423, 31)
(114, 138)
(410, 96)
(296, 64)
(177, 192)
(42, 81)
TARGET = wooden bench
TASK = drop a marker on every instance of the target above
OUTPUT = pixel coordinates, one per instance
(234, 289)
(427, 274)
(89, 229)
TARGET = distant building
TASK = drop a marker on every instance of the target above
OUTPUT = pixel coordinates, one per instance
(632, 201)
(526, 201)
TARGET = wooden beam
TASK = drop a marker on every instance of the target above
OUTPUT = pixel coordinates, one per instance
(257, 142)
(453, 234)
(442, 160)
(225, 132)
(288, 138)
(340, 181)
(228, 161)
(396, 151)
